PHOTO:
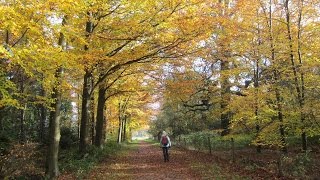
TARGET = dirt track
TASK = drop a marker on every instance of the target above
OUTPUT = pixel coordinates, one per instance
(146, 163)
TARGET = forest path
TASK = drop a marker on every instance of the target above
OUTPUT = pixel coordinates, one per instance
(146, 162)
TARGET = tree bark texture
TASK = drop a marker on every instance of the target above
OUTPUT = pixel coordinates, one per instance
(84, 140)
(54, 132)
(100, 124)
(124, 129)
(42, 119)
(225, 98)
(276, 78)
(299, 89)
(120, 125)
(92, 119)
(52, 170)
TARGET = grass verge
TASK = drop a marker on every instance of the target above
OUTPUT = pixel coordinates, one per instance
(213, 171)
(71, 162)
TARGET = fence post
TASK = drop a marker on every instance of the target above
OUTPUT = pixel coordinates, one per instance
(209, 141)
(232, 146)
(185, 142)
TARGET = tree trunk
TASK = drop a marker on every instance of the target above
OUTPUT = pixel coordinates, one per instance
(256, 111)
(280, 117)
(125, 128)
(84, 140)
(120, 127)
(256, 86)
(276, 77)
(122, 111)
(224, 60)
(22, 129)
(1, 119)
(225, 98)
(100, 116)
(52, 170)
(92, 118)
(42, 120)
(79, 117)
(22, 114)
(54, 132)
(294, 69)
(120, 123)
(92, 114)
(2, 76)
(303, 135)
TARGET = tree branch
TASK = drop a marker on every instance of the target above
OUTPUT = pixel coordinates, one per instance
(23, 34)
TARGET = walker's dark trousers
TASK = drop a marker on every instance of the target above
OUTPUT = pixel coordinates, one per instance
(165, 154)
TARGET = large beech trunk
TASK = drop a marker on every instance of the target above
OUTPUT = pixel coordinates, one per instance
(54, 132)
(100, 117)
(52, 168)
(84, 139)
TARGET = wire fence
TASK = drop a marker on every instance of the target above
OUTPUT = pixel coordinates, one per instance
(239, 149)
(209, 143)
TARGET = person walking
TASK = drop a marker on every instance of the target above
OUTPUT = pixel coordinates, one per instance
(165, 143)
